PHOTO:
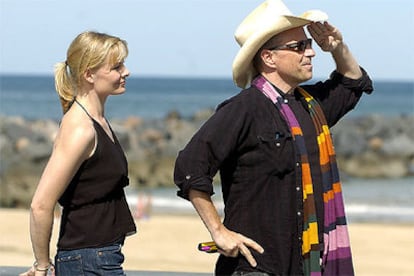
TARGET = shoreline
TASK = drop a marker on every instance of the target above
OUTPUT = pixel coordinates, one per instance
(167, 243)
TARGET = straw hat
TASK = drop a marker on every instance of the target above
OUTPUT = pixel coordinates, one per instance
(264, 22)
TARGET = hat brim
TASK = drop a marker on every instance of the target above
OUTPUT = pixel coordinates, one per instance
(243, 70)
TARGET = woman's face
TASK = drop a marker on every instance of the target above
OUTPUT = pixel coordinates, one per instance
(110, 79)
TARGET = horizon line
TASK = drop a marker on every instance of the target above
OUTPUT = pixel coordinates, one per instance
(195, 77)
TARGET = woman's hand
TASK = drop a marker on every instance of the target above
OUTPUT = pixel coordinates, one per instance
(30, 272)
(33, 271)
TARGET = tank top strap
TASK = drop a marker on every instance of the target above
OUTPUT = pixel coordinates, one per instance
(84, 109)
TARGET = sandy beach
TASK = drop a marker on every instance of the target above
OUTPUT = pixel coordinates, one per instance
(169, 243)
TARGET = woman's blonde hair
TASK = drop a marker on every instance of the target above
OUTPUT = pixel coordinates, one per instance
(88, 51)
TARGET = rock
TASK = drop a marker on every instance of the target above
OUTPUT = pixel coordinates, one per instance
(399, 145)
(369, 165)
(369, 147)
(375, 143)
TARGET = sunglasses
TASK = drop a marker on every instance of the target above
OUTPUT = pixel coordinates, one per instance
(299, 46)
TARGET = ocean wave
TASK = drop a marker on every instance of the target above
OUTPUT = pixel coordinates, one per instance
(151, 204)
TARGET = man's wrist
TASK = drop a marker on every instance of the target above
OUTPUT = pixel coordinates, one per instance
(339, 49)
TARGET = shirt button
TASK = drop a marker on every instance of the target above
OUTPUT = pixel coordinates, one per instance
(285, 101)
(299, 213)
(187, 177)
(297, 164)
(298, 188)
(277, 144)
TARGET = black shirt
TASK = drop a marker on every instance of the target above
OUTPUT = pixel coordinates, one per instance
(95, 211)
(249, 142)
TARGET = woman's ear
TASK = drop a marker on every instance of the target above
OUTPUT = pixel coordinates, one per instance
(89, 76)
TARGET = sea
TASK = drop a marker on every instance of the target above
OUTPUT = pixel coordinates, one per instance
(366, 200)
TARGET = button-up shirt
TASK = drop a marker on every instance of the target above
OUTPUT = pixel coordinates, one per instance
(250, 143)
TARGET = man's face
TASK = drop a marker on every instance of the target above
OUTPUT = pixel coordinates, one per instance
(293, 64)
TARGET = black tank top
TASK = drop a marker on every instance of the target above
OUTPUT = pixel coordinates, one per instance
(95, 211)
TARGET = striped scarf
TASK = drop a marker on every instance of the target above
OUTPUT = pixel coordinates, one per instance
(336, 258)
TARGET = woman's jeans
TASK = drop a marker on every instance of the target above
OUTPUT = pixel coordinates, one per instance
(106, 260)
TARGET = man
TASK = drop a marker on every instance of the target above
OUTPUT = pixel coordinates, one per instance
(272, 146)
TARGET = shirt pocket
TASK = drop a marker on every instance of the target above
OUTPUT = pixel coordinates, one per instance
(276, 151)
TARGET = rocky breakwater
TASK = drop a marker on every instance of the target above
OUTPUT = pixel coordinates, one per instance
(370, 147)
(375, 146)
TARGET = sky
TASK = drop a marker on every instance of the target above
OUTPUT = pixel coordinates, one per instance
(195, 38)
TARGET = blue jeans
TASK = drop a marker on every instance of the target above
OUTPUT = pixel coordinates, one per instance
(106, 260)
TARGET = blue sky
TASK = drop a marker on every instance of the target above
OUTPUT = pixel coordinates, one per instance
(195, 38)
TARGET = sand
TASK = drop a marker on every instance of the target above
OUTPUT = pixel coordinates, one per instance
(169, 243)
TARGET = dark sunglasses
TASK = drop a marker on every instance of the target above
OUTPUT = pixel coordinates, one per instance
(299, 46)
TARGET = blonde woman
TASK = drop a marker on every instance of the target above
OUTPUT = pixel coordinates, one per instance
(87, 170)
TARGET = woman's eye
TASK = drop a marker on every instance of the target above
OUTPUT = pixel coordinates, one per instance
(117, 66)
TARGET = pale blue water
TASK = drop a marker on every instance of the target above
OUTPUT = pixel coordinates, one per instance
(34, 97)
(366, 200)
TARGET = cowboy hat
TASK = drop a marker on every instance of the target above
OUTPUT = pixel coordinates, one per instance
(264, 22)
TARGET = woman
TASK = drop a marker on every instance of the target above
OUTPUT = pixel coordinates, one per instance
(87, 170)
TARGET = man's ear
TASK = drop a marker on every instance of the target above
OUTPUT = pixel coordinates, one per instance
(89, 76)
(267, 58)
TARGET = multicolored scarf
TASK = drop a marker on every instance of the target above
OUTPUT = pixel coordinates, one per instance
(336, 257)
